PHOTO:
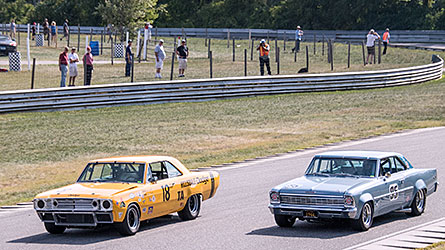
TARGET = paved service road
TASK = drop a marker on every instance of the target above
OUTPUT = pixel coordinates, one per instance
(238, 217)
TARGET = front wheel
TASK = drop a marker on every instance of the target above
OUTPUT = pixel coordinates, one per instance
(365, 219)
(419, 202)
(284, 220)
(53, 229)
(131, 222)
(191, 209)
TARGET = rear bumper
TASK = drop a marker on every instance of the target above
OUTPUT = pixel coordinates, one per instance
(76, 219)
(321, 212)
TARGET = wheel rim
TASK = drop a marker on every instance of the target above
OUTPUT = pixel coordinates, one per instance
(133, 219)
(194, 204)
(420, 201)
(367, 215)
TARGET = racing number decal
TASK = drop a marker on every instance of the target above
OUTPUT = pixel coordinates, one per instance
(165, 193)
(180, 195)
(393, 192)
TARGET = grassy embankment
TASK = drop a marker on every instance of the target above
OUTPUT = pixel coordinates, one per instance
(45, 150)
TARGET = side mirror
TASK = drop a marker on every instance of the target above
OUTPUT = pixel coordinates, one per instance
(153, 179)
(388, 174)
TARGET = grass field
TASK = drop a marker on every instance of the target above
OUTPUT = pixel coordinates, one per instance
(198, 66)
(44, 150)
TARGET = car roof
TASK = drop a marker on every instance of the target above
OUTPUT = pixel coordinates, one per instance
(358, 154)
(135, 158)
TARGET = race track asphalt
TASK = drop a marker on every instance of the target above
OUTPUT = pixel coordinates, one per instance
(238, 217)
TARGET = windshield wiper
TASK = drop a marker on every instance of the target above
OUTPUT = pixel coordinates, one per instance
(320, 174)
(347, 175)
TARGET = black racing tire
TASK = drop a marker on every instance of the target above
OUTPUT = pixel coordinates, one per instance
(131, 223)
(284, 220)
(191, 209)
(53, 229)
(365, 219)
(419, 203)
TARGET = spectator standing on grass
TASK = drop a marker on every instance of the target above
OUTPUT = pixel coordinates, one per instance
(73, 59)
(12, 29)
(66, 29)
(54, 33)
(298, 36)
(264, 49)
(160, 56)
(88, 60)
(370, 44)
(63, 66)
(33, 30)
(148, 27)
(46, 29)
(128, 58)
(385, 39)
(183, 52)
(110, 32)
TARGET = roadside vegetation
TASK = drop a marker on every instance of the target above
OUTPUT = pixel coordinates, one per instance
(47, 150)
(435, 246)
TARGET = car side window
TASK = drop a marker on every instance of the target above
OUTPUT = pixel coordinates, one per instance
(172, 170)
(158, 170)
(385, 166)
(399, 164)
(393, 164)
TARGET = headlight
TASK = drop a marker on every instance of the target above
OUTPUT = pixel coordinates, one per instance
(349, 201)
(106, 204)
(40, 204)
(274, 197)
(95, 204)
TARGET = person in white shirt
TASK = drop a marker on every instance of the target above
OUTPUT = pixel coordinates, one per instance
(160, 56)
(73, 59)
(370, 44)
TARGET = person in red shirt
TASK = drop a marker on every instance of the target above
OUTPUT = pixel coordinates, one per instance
(63, 66)
(88, 62)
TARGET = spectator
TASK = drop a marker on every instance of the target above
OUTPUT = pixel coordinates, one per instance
(54, 33)
(33, 30)
(73, 60)
(63, 66)
(46, 29)
(88, 61)
(110, 32)
(160, 56)
(264, 56)
(370, 44)
(386, 37)
(66, 29)
(12, 29)
(148, 27)
(128, 58)
(298, 37)
(183, 52)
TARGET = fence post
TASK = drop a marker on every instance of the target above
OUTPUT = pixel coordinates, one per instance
(363, 53)
(278, 61)
(251, 50)
(322, 46)
(332, 55)
(295, 56)
(208, 48)
(233, 45)
(328, 43)
(245, 62)
(307, 58)
(276, 50)
(69, 36)
(132, 68)
(315, 40)
(102, 42)
(380, 51)
(374, 54)
(211, 64)
(33, 70)
(91, 34)
(78, 37)
(112, 52)
(284, 42)
(173, 65)
(349, 54)
(207, 36)
(228, 38)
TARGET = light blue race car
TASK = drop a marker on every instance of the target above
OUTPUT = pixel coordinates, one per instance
(356, 185)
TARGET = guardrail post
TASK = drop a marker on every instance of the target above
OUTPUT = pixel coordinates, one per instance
(245, 62)
(173, 65)
(315, 40)
(328, 43)
(307, 58)
(33, 70)
(233, 50)
(251, 50)
(380, 51)
(208, 48)
(278, 61)
(363, 53)
(228, 38)
(211, 64)
(332, 55)
(284, 41)
(78, 37)
(349, 54)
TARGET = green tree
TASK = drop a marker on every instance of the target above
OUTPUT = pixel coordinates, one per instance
(18, 10)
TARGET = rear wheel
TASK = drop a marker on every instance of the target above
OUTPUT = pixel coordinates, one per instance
(131, 222)
(284, 220)
(53, 229)
(191, 209)
(419, 202)
(365, 219)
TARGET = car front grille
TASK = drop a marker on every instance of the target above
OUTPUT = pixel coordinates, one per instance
(74, 204)
(312, 200)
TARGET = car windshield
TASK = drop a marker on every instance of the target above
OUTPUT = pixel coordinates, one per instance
(113, 172)
(342, 167)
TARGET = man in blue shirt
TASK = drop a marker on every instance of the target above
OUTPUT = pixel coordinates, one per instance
(298, 37)
(128, 58)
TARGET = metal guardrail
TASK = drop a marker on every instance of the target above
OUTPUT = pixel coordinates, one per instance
(210, 89)
(397, 36)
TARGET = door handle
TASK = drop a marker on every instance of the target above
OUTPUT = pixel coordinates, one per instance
(402, 181)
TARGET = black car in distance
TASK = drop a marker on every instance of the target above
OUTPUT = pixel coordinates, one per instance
(7, 45)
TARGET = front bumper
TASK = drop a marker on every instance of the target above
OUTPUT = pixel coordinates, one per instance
(76, 219)
(321, 212)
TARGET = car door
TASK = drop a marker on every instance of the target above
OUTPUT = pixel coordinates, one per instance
(155, 193)
(388, 191)
(406, 181)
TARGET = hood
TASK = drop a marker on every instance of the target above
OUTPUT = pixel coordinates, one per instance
(321, 185)
(89, 190)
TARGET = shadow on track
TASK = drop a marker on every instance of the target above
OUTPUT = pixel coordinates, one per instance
(91, 236)
(328, 230)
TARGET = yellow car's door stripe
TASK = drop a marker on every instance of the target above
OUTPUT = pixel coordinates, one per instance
(212, 182)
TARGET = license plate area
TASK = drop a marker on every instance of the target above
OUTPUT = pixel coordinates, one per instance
(2, 48)
(310, 214)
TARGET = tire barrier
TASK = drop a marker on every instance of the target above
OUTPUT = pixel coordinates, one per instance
(210, 89)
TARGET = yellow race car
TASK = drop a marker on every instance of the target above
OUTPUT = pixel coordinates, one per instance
(125, 191)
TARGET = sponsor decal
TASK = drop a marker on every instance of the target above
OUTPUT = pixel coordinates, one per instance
(144, 209)
(139, 200)
(150, 210)
(132, 196)
(195, 181)
(120, 214)
(293, 186)
(393, 192)
(74, 195)
(152, 199)
(117, 203)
